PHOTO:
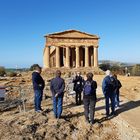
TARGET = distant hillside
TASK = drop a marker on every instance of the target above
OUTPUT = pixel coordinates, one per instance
(19, 70)
(121, 64)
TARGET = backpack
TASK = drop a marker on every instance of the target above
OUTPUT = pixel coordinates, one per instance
(88, 88)
(112, 84)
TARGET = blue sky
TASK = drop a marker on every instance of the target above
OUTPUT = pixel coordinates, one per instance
(23, 24)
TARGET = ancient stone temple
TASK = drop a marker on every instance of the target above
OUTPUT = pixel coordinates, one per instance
(71, 49)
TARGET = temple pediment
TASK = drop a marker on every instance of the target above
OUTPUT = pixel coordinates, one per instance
(72, 34)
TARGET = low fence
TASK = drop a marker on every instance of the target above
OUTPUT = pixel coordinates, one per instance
(14, 96)
(17, 96)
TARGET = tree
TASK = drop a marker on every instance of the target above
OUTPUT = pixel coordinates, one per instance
(104, 66)
(136, 70)
(2, 71)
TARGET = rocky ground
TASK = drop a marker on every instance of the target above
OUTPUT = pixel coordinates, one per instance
(16, 125)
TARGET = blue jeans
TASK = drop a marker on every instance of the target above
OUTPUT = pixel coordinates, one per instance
(37, 99)
(110, 97)
(117, 99)
(57, 106)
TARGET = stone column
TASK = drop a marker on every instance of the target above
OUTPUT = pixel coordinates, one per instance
(67, 57)
(77, 57)
(57, 57)
(95, 56)
(64, 57)
(86, 57)
(92, 57)
(46, 57)
(73, 57)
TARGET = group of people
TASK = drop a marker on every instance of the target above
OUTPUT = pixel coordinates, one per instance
(110, 87)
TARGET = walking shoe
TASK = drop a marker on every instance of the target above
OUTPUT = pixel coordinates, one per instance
(87, 121)
(113, 114)
(55, 116)
(92, 122)
(107, 115)
(59, 117)
(41, 109)
(38, 111)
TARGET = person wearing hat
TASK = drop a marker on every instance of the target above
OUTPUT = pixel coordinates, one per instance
(38, 86)
(57, 87)
(78, 87)
(108, 88)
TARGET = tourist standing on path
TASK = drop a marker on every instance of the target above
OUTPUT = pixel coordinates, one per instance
(78, 87)
(89, 98)
(38, 86)
(57, 87)
(108, 87)
(117, 91)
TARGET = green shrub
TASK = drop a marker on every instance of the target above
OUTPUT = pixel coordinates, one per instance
(2, 71)
(104, 66)
(136, 70)
(11, 74)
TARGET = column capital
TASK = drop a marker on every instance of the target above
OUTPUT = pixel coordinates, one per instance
(57, 46)
(46, 45)
(77, 46)
(86, 46)
(95, 46)
(46, 57)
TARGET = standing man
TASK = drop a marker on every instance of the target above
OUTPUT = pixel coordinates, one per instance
(108, 87)
(57, 87)
(38, 86)
(78, 86)
(89, 98)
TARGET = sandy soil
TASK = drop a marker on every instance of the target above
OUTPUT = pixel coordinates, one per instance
(72, 126)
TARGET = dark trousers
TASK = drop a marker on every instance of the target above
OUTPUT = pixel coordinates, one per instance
(110, 97)
(37, 99)
(89, 107)
(78, 97)
(57, 106)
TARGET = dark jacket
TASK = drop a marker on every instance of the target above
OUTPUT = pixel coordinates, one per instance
(57, 85)
(108, 85)
(94, 87)
(38, 82)
(118, 86)
(78, 83)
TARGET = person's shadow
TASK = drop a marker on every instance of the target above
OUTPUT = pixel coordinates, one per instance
(100, 98)
(69, 116)
(123, 108)
(128, 106)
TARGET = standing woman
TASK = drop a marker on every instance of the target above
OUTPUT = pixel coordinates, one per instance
(117, 91)
(89, 98)
(78, 87)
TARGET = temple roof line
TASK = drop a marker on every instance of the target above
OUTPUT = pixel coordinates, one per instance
(64, 34)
